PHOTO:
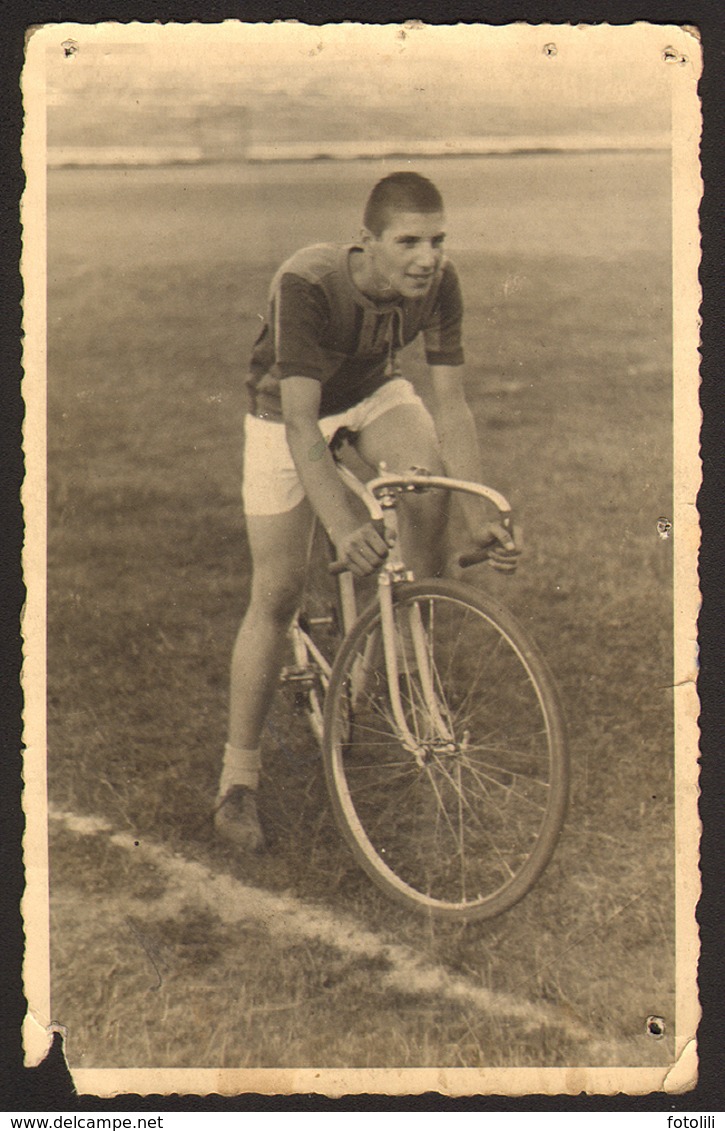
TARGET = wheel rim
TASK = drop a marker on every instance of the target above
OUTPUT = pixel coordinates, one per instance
(468, 824)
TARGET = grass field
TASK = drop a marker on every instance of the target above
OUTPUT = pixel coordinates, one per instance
(156, 282)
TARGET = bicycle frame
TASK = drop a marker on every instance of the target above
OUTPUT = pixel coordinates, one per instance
(311, 668)
(380, 496)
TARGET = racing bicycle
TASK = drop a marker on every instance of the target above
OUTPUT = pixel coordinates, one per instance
(442, 736)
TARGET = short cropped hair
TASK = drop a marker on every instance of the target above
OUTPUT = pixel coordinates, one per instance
(400, 192)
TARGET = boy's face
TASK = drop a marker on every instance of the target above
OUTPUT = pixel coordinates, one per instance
(404, 258)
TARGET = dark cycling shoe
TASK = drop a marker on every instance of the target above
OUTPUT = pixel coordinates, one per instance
(236, 819)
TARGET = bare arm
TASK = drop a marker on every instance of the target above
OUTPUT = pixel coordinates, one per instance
(360, 547)
(455, 426)
(456, 430)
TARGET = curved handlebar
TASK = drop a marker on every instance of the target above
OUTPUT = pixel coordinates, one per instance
(370, 492)
(422, 480)
(475, 556)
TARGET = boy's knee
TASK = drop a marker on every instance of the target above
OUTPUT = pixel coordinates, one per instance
(434, 462)
(275, 602)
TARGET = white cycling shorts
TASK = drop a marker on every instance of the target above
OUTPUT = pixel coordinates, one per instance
(270, 482)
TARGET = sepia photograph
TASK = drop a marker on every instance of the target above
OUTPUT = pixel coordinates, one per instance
(361, 431)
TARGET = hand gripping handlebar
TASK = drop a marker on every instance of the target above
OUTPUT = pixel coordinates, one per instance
(419, 480)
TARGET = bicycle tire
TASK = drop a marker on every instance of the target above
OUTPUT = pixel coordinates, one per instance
(467, 834)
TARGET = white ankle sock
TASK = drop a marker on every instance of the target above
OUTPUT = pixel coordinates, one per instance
(239, 767)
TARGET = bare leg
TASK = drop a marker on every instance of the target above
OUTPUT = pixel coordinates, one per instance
(404, 437)
(278, 544)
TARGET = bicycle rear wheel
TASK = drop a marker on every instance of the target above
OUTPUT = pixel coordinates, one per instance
(465, 828)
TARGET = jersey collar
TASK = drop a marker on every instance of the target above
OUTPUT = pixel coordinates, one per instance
(360, 298)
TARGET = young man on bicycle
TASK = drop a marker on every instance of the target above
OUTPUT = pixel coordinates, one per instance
(326, 359)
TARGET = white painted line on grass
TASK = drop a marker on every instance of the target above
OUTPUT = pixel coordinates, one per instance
(285, 916)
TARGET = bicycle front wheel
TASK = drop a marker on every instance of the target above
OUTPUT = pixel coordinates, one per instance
(462, 821)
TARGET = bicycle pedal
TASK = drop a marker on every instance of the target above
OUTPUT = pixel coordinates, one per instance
(302, 677)
(327, 622)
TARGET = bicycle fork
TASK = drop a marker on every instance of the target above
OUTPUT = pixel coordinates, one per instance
(441, 728)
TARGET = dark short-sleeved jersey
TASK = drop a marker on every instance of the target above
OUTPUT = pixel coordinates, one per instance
(320, 325)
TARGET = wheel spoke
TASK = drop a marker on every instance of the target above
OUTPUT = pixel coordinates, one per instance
(506, 771)
(464, 802)
(511, 792)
